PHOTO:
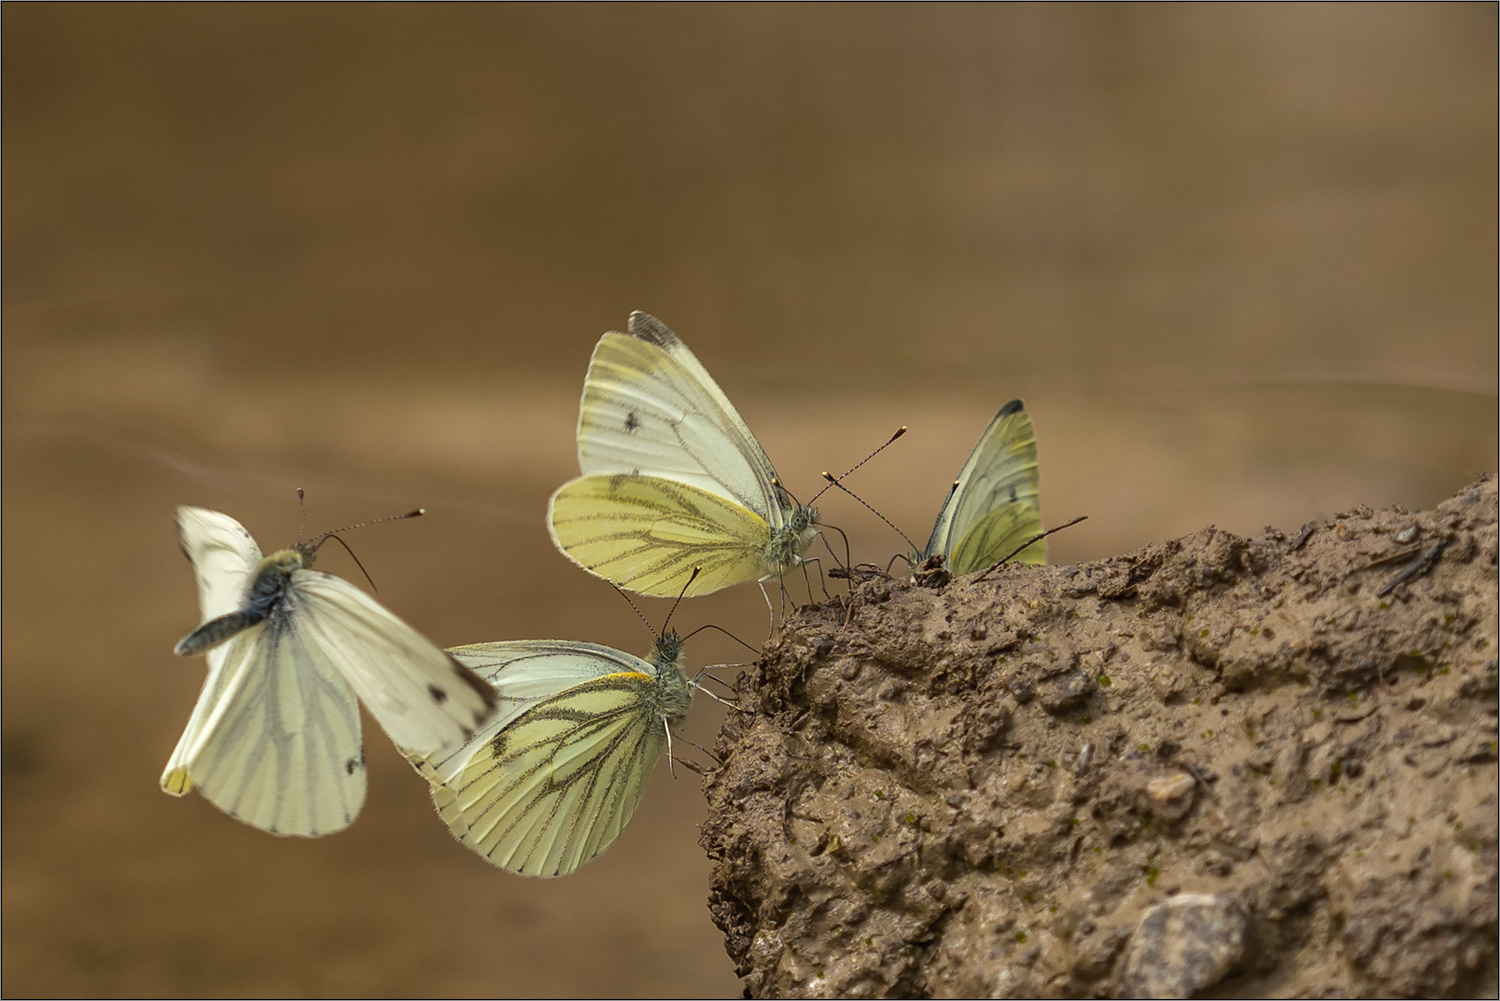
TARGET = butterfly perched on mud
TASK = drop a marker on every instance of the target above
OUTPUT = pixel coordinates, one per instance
(672, 478)
(994, 505)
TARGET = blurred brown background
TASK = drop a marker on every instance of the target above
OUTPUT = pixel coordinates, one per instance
(1240, 262)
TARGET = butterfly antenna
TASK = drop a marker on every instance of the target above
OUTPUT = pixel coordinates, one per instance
(373, 521)
(357, 563)
(302, 506)
(726, 632)
(642, 615)
(639, 614)
(680, 595)
(314, 545)
(776, 482)
(834, 482)
(1035, 538)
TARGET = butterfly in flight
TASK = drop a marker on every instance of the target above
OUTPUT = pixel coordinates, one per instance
(274, 739)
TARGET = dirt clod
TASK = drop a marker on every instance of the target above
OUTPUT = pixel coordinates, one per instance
(1267, 764)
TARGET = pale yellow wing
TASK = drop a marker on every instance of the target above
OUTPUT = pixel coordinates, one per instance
(649, 406)
(994, 504)
(647, 534)
(275, 738)
(555, 775)
(558, 785)
(996, 535)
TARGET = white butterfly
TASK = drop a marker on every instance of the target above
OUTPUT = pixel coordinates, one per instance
(275, 737)
(993, 506)
(672, 478)
(555, 775)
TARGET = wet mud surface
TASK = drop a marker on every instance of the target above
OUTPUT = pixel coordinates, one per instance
(1260, 766)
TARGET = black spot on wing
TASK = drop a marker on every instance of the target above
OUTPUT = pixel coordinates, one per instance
(632, 421)
(438, 695)
(484, 688)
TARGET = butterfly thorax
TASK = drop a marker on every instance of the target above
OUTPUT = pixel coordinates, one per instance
(268, 586)
(674, 694)
(786, 545)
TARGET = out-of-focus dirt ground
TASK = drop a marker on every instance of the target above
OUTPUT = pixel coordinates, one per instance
(1239, 261)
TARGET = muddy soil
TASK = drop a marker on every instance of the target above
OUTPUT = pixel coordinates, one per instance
(1250, 767)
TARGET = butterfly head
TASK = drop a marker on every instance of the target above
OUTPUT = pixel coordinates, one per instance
(675, 693)
(282, 564)
(667, 651)
(786, 544)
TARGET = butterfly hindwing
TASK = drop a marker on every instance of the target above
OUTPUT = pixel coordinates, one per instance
(559, 784)
(277, 743)
(647, 534)
(998, 534)
(422, 697)
(649, 406)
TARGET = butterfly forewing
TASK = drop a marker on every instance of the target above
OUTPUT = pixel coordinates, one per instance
(223, 554)
(422, 697)
(650, 406)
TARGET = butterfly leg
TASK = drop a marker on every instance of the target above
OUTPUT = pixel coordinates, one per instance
(770, 611)
(719, 763)
(821, 582)
(717, 698)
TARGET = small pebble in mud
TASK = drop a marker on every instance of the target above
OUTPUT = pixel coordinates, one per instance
(1169, 799)
(1020, 687)
(1407, 534)
(1066, 692)
(1184, 945)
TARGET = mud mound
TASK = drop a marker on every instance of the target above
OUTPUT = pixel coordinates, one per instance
(1267, 764)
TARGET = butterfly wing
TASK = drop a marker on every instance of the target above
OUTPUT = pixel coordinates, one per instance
(224, 557)
(649, 406)
(275, 738)
(647, 534)
(972, 530)
(555, 776)
(423, 698)
(998, 534)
